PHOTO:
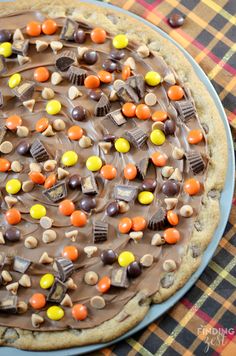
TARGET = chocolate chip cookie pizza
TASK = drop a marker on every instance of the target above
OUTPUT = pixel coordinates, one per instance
(112, 160)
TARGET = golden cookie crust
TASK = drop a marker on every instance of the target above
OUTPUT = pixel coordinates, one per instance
(136, 309)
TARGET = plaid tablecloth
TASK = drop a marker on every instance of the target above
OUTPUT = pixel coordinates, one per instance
(203, 322)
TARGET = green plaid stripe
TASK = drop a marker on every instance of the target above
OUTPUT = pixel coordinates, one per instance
(209, 36)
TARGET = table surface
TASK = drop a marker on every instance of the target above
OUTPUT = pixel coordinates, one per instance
(203, 321)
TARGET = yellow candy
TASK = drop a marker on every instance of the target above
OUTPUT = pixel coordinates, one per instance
(14, 80)
(13, 186)
(6, 49)
(55, 313)
(145, 197)
(152, 78)
(122, 145)
(53, 107)
(125, 258)
(94, 163)
(120, 41)
(157, 137)
(37, 211)
(46, 281)
(69, 158)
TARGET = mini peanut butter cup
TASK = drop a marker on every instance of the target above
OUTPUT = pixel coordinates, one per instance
(136, 136)
(103, 106)
(195, 161)
(38, 151)
(158, 221)
(77, 75)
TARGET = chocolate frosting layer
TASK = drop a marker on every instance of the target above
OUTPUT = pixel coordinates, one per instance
(95, 128)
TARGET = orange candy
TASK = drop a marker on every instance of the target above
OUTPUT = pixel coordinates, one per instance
(159, 159)
(37, 177)
(159, 116)
(41, 74)
(171, 235)
(91, 82)
(195, 136)
(13, 121)
(104, 284)
(130, 171)
(126, 72)
(125, 225)
(172, 218)
(49, 27)
(78, 218)
(37, 301)
(42, 124)
(129, 109)
(75, 133)
(192, 186)
(50, 181)
(143, 112)
(4, 165)
(104, 76)
(70, 252)
(66, 207)
(108, 172)
(98, 35)
(33, 28)
(138, 223)
(13, 216)
(175, 92)
(79, 312)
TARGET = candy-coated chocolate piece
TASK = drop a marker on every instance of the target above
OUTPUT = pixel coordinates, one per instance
(6, 49)
(4, 165)
(192, 186)
(98, 35)
(195, 136)
(152, 78)
(171, 235)
(108, 257)
(125, 258)
(37, 301)
(170, 188)
(12, 234)
(37, 211)
(125, 225)
(66, 207)
(134, 269)
(175, 92)
(87, 204)
(23, 148)
(46, 281)
(33, 28)
(14, 80)
(75, 133)
(79, 36)
(49, 27)
(139, 223)
(78, 218)
(149, 184)
(41, 74)
(159, 116)
(112, 209)
(108, 172)
(5, 36)
(74, 181)
(13, 216)
(13, 121)
(122, 145)
(70, 252)
(143, 112)
(53, 107)
(104, 284)
(129, 109)
(157, 137)
(145, 198)
(79, 312)
(94, 163)
(78, 113)
(90, 57)
(130, 171)
(55, 313)
(13, 186)
(69, 158)
(120, 41)
(159, 159)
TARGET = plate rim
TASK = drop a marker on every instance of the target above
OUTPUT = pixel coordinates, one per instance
(226, 195)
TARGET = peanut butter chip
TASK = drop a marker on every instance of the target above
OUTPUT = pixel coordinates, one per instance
(22, 59)
(146, 260)
(123, 207)
(6, 147)
(186, 211)
(46, 222)
(74, 92)
(169, 265)
(72, 234)
(177, 175)
(177, 153)
(81, 51)
(66, 301)
(59, 125)
(118, 83)
(35, 167)
(31, 242)
(113, 96)
(41, 45)
(27, 186)
(10, 201)
(131, 63)
(16, 166)
(105, 146)
(143, 51)
(150, 99)
(91, 278)
(90, 250)
(56, 78)
(167, 171)
(157, 240)
(56, 46)
(36, 320)
(170, 203)
(48, 132)
(97, 302)
(22, 307)
(50, 165)
(71, 284)
(13, 287)
(48, 93)
(136, 235)
(45, 259)
(25, 281)
(29, 104)
(85, 142)
(49, 236)
(18, 35)
(6, 276)
(158, 125)
(62, 173)
(2, 240)
(22, 131)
